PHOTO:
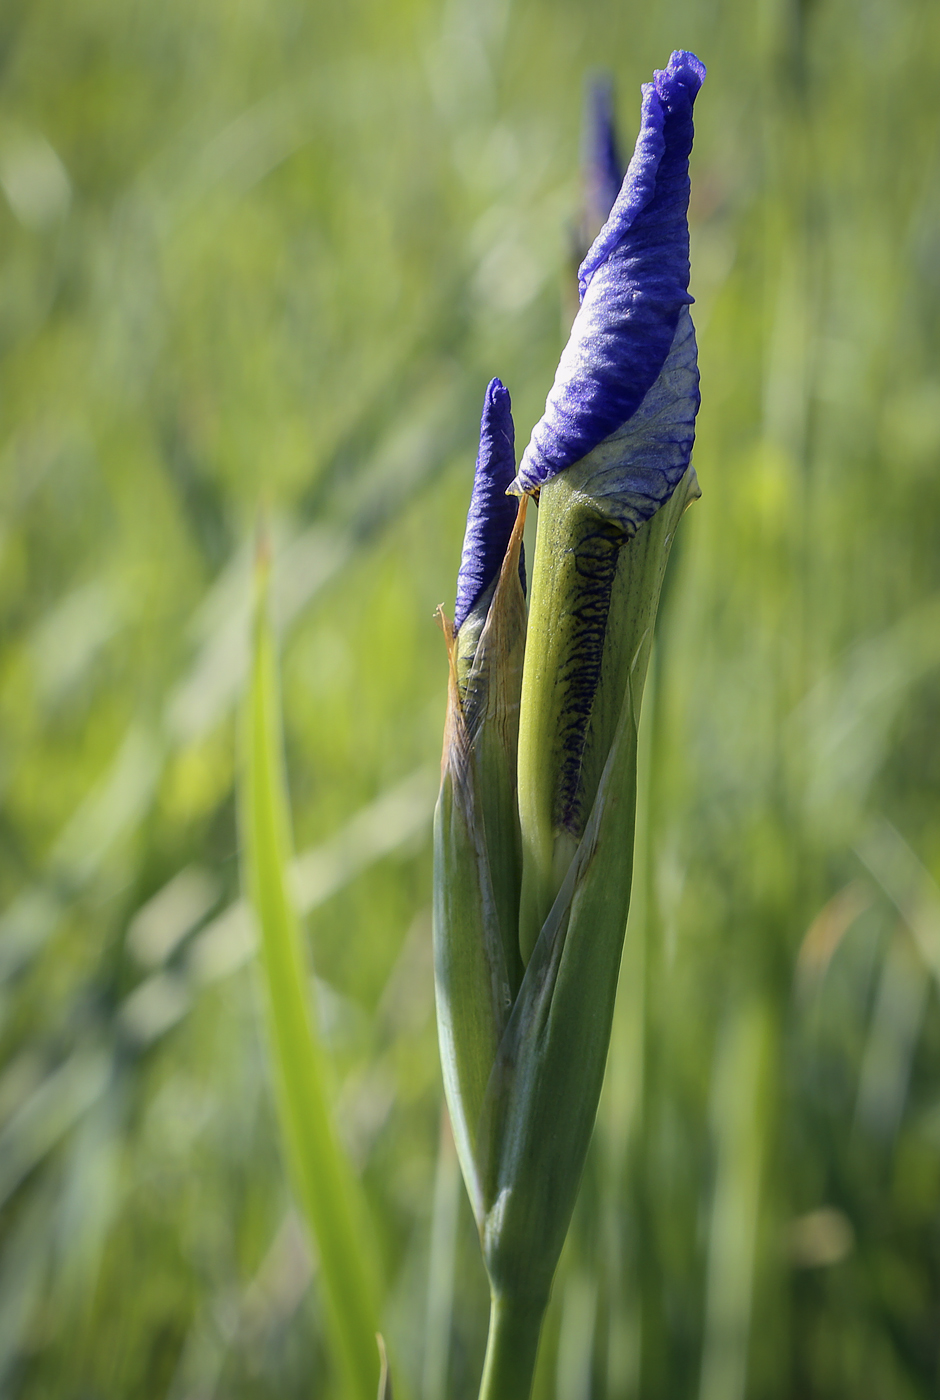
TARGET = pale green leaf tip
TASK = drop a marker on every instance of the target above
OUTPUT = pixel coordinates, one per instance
(385, 1375)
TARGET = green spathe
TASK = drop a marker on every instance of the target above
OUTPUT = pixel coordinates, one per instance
(552, 1056)
(525, 1004)
(595, 593)
(477, 858)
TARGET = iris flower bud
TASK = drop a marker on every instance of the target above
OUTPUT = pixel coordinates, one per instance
(634, 286)
(477, 850)
(490, 522)
(612, 446)
(533, 861)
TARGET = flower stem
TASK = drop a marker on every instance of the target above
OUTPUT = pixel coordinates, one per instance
(511, 1349)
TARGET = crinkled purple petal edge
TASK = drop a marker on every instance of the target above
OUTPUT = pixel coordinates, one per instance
(684, 74)
(636, 279)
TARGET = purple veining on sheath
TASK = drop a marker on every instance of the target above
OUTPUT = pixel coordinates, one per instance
(492, 513)
(634, 283)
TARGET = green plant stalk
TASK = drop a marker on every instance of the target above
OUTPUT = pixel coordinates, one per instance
(511, 1348)
(322, 1177)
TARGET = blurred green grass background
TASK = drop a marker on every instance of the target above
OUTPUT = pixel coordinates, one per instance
(271, 254)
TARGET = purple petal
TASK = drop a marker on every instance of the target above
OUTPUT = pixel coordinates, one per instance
(634, 471)
(492, 513)
(634, 284)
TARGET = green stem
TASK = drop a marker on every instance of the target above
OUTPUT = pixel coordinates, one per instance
(511, 1349)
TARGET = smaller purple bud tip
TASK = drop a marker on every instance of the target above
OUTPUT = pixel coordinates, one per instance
(603, 168)
(492, 513)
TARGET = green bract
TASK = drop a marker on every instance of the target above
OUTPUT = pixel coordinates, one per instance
(477, 854)
(523, 1051)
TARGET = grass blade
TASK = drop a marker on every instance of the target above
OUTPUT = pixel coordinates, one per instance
(322, 1177)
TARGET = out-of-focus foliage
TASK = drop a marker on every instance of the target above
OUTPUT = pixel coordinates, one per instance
(273, 252)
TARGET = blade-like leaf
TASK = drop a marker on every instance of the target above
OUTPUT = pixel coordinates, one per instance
(322, 1177)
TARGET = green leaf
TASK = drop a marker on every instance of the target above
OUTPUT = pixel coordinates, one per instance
(385, 1375)
(323, 1179)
